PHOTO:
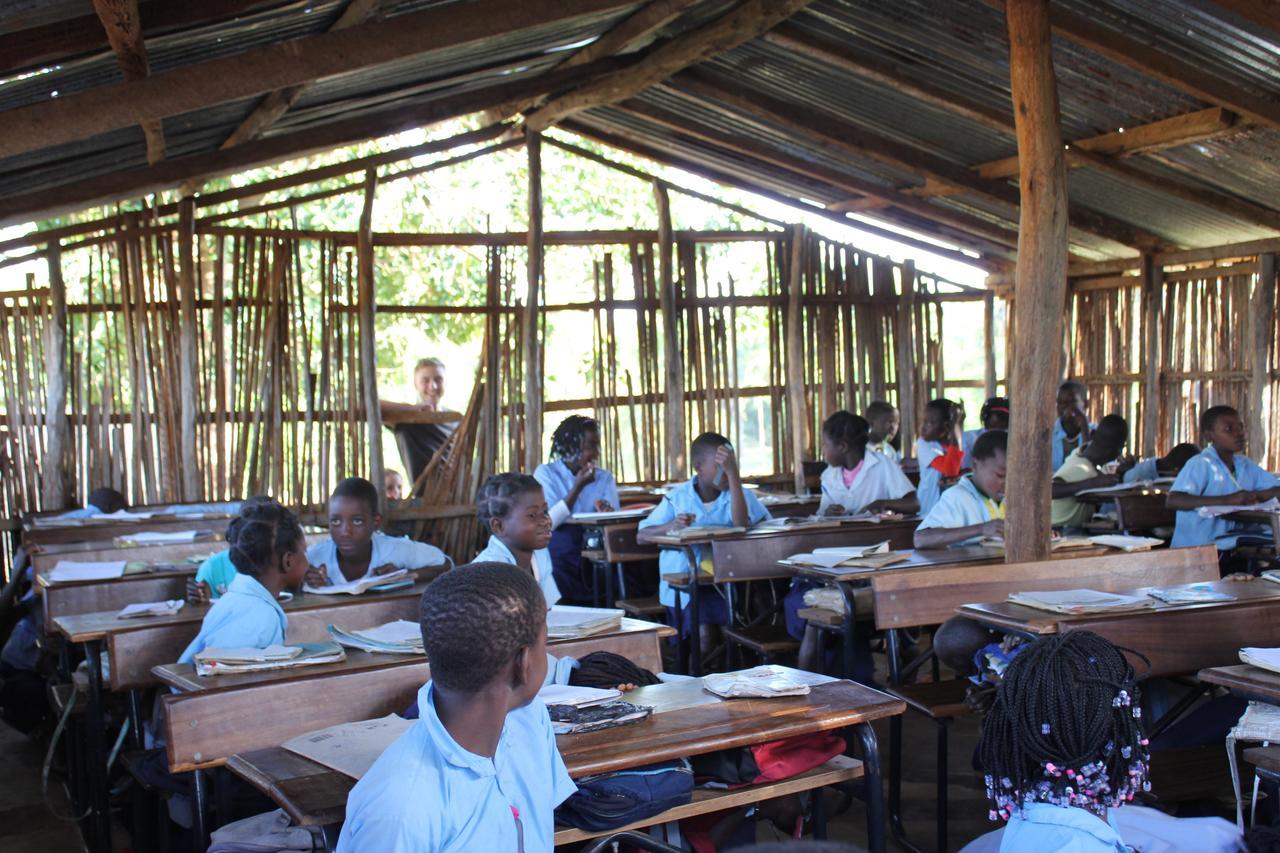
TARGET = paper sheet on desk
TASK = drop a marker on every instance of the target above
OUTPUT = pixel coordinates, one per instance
(612, 515)
(759, 682)
(350, 748)
(122, 515)
(1125, 542)
(151, 537)
(70, 570)
(1079, 601)
(1272, 505)
(1268, 659)
(151, 608)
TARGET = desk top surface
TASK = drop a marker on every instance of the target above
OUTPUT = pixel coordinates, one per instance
(1245, 679)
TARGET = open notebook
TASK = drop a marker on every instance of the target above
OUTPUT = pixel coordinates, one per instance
(359, 585)
(400, 637)
(1081, 601)
(848, 557)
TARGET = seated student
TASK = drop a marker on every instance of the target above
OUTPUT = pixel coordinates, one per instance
(994, 415)
(102, 501)
(858, 479)
(514, 511)
(1154, 467)
(938, 451)
(1063, 754)
(1221, 475)
(215, 574)
(883, 419)
(974, 507)
(1081, 471)
(356, 548)
(1072, 428)
(269, 552)
(572, 483)
(479, 770)
(714, 496)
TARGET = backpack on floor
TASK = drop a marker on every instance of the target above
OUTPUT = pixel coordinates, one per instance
(767, 762)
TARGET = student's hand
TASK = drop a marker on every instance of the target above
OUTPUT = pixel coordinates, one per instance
(316, 576)
(993, 528)
(585, 476)
(728, 461)
(1125, 463)
(198, 592)
(1102, 481)
(1240, 576)
(626, 688)
(384, 569)
(603, 505)
(1081, 422)
(681, 521)
(1241, 498)
(834, 509)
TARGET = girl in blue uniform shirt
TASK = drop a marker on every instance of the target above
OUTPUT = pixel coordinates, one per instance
(938, 451)
(514, 511)
(713, 497)
(572, 483)
(268, 550)
(1220, 476)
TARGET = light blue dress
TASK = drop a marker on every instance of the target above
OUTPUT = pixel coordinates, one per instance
(1207, 475)
(247, 616)
(682, 500)
(1061, 829)
(557, 481)
(427, 794)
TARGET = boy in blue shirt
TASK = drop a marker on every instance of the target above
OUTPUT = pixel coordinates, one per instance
(1072, 428)
(479, 770)
(974, 506)
(713, 497)
(1221, 475)
(1154, 467)
(572, 483)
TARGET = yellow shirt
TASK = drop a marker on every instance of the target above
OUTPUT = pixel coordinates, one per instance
(1069, 512)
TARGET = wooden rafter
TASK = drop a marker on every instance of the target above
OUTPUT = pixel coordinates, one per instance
(396, 119)
(743, 23)
(123, 26)
(845, 139)
(278, 66)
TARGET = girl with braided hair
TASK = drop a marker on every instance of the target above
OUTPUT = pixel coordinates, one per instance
(514, 511)
(269, 552)
(572, 483)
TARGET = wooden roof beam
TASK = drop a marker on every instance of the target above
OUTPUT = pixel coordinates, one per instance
(744, 22)
(394, 119)
(1134, 53)
(278, 66)
(123, 27)
(845, 139)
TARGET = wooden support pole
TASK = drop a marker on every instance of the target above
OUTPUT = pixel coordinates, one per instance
(188, 409)
(123, 27)
(673, 406)
(905, 339)
(1262, 320)
(1040, 279)
(53, 485)
(368, 351)
(1152, 303)
(797, 407)
(532, 348)
(989, 343)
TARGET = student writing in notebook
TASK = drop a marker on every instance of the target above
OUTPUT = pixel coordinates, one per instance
(1083, 470)
(268, 550)
(571, 482)
(356, 547)
(479, 770)
(938, 451)
(1221, 475)
(974, 506)
(858, 479)
(514, 510)
(714, 496)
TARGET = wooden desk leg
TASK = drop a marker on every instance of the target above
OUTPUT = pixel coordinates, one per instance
(695, 616)
(873, 786)
(95, 721)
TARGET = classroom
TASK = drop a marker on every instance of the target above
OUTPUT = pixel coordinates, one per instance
(639, 425)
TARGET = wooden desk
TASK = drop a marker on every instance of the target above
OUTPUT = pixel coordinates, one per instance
(618, 545)
(686, 722)
(789, 506)
(1254, 516)
(1245, 680)
(44, 560)
(89, 531)
(1176, 638)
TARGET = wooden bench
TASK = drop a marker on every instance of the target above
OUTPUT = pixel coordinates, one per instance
(769, 643)
(643, 608)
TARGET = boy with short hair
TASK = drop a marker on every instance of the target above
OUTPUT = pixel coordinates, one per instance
(1071, 429)
(1221, 475)
(884, 420)
(1154, 467)
(713, 496)
(1081, 472)
(479, 770)
(974, 506)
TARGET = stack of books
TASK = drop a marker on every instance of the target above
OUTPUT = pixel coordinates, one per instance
(214, 661)
(848, 557)
(1078, 602)
(401, 637)
(761, 682)
(565, 622)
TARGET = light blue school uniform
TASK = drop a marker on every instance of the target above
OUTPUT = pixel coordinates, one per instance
(929, 489)
(247, 616)
(1062, 829)
(1207, 475)
(682, 500)
(426, 793)
(228, 507)
(218, 572)
(961, 505)
(387, 550)
(967, 441)
(497, 552)
(1144, 470)
(557, 482)
(1059, 436)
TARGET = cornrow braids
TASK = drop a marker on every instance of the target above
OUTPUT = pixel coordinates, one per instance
(566, 441)
(475, 619)
(847, 428)
(263, 533)
(1065, 728)
(497, 497)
